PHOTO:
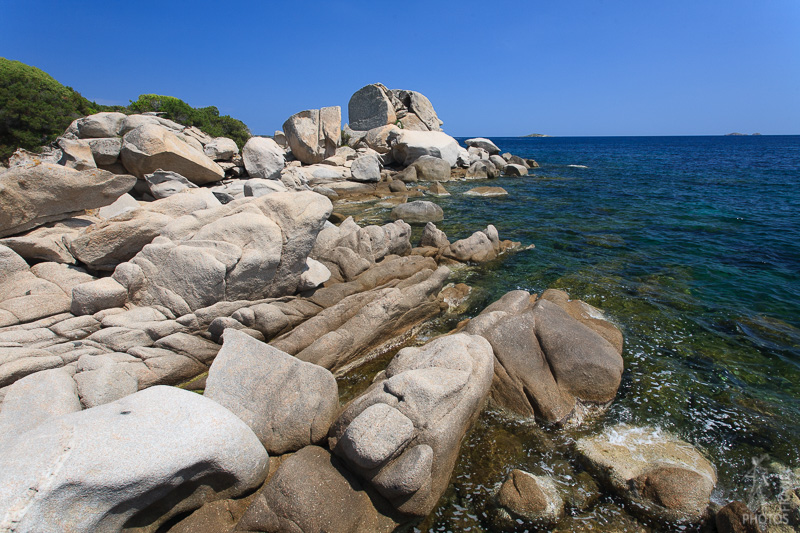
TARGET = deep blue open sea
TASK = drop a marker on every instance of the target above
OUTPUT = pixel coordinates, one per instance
(691, 245)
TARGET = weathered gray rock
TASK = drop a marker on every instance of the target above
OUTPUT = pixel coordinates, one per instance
(46, 243)
(163, 183)
(437, 189)
(370, 107)
(366, 169)
(105, 384)
(115, 466)
(481, 170)
(486, 144)
(149, 148)
(105, 245)
(433, 236)
(248, 249)
(263, 158)
(397, 186)
(100, 125)
(479, 247)
(314, 134)
(105, 293)
(531, 500)
(105, 151)
(221, 149)
(421, 107)
(340, 336)
(313, 491)
(30, 294)
(498, 162)
(515, 160)
(418, 212)
(75, 154)
(378, 138)
(315, 275)
(408, 146)
(35, 399)
(257, 187)
(121, 205)
(287, 403)
(515, 171)
(404, 433)
(660, 476)
(38, 194)
(432, 169)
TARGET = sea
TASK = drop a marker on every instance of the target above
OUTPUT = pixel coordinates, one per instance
(691, 246)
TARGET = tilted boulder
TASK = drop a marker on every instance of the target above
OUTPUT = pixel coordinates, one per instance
(371, 107)
(340, 337)
(660, 477)
(221, 149)
(403, 435)
(314, 134)
(100, 125)
(135, 462)
(263, 158)
(479, 247)
(165, 183)
(150, 147)
(408, 146)
(549, 365)
(432, 168)
(41, 193)
(287, 403)
(486, 144)
(418, 105)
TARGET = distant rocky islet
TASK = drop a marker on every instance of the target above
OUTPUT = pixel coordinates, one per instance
(143, 260)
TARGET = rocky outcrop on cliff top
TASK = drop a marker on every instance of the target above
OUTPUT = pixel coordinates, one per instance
(554, 357)
(374, 106)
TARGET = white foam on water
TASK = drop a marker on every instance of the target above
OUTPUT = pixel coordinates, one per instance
(577, 166)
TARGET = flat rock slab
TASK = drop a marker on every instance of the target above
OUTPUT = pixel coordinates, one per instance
(487, 192)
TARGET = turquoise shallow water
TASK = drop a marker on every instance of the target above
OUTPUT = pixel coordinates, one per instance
(691, 245)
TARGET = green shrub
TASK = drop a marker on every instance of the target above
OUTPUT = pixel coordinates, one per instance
(205, 118)
(35, 108)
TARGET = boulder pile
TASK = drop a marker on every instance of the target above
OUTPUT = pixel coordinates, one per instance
(175, 315)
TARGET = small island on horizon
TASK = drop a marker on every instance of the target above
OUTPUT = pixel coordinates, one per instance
(536, 135)
(737, 134)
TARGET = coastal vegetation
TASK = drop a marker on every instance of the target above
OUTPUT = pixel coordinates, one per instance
(35, 109)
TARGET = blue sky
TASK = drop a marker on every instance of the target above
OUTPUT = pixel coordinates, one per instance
(593, 67)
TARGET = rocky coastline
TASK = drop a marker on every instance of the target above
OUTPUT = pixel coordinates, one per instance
(175, 314)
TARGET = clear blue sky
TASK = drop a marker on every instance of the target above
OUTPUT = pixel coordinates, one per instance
(493, 68)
